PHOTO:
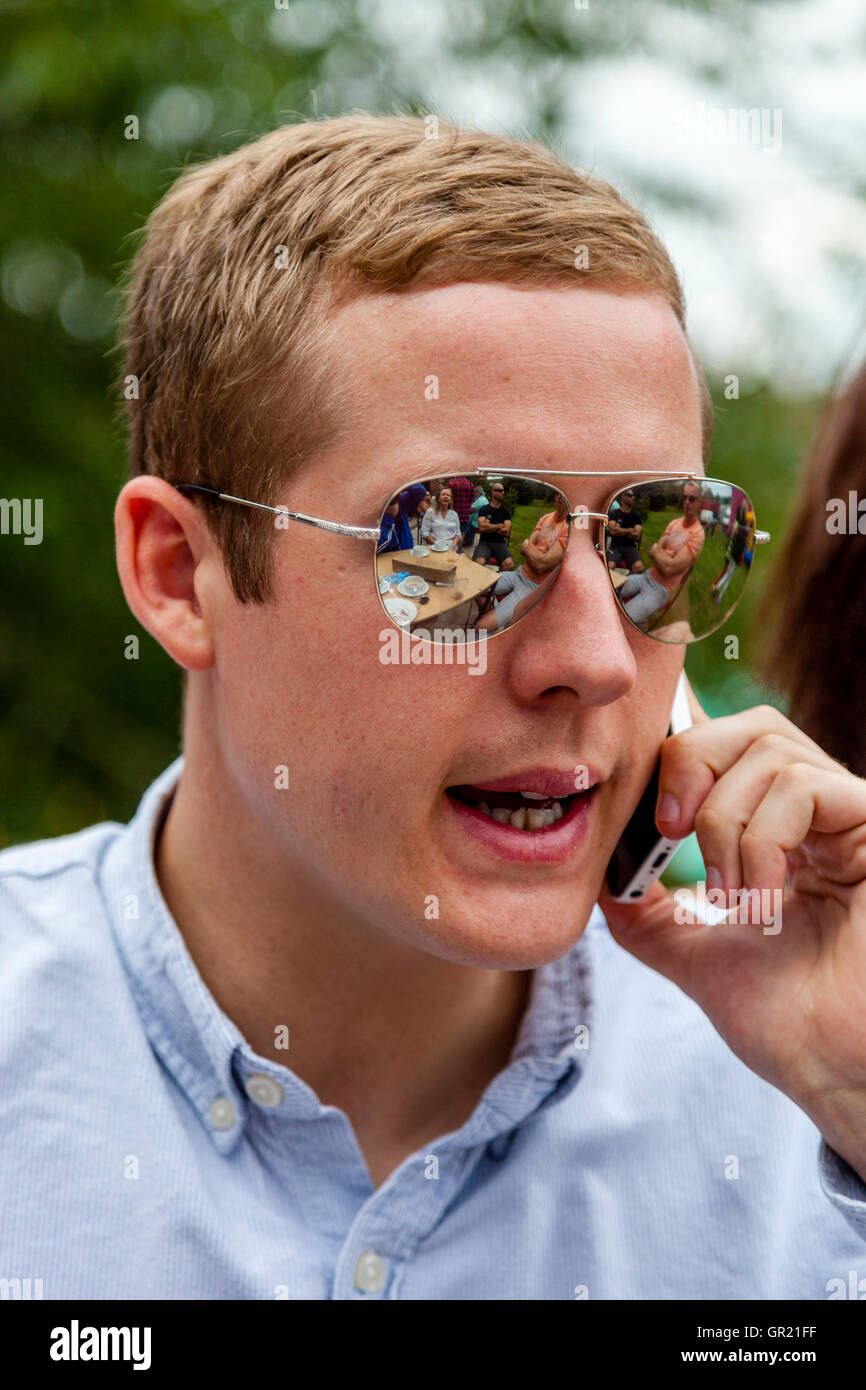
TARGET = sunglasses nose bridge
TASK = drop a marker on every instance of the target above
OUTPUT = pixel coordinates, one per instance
(585, 520)
(593, 524)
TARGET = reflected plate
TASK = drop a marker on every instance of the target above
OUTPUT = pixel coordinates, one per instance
(401, 610)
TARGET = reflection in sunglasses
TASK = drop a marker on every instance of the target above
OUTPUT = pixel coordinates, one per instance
(677, 551)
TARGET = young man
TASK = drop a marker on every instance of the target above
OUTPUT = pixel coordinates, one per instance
(479, 500)
(494, 530)
(625, 531)
(309, 1026)
(672, 555)
(543, 552)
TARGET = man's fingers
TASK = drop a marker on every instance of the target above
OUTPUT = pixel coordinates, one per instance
(800, 800)
(693, 761)
(724, 815)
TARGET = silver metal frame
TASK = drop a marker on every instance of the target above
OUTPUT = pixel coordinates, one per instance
(339, 528)
(373, 533)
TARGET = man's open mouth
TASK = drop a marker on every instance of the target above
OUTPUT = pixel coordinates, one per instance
(522, 810)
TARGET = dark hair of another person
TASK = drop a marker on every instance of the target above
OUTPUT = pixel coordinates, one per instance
(814, 610)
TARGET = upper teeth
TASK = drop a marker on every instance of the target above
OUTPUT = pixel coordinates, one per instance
(534, 796)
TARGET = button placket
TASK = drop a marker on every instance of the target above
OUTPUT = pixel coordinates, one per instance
(395, 1219)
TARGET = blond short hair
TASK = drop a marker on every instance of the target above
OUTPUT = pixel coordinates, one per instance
(225, 323)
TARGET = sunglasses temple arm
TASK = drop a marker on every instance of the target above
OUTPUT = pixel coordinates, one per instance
(339, 528)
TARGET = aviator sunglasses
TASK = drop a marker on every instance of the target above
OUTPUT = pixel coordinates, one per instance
(466, 557)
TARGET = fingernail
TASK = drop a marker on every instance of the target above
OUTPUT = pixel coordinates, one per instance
(669, 807)
(714, 878)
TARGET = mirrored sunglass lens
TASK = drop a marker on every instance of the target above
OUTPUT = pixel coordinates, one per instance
(679, 553)
(460, 558)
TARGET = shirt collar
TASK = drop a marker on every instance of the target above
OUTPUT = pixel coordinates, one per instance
(212, 1062)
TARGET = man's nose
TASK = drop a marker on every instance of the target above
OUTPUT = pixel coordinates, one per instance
(576, 637)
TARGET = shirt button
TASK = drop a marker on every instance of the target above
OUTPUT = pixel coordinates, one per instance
(370, 1272)
(222, 1113)
(263, 1090)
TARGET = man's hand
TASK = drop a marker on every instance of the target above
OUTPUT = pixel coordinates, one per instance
(772, 813)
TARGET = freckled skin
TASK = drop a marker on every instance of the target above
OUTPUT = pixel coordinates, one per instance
(605, 380)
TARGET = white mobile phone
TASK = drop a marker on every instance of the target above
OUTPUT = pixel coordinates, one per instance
(641, 853)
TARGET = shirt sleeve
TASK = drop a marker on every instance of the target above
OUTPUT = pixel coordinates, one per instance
(843, 1187)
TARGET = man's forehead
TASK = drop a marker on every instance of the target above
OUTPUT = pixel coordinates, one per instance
(485, 324)
(456, 350)
(458, 377)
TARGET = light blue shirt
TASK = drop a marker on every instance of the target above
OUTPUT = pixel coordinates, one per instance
(146, 1151)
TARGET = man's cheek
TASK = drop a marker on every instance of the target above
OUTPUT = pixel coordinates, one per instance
(351, 804)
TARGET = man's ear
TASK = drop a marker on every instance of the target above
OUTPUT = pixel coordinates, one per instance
(162, 545)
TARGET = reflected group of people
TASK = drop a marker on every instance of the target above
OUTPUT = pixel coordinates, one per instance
(458, 514)
(523, 540)
(462, 515)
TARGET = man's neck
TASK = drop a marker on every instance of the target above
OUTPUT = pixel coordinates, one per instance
(403, 1042)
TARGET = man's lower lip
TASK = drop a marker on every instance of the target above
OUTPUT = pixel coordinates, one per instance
(548, 846)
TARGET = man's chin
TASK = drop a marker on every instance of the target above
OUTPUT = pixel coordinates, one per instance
(509, 930)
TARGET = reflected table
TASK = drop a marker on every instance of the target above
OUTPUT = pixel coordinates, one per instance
(470, 581)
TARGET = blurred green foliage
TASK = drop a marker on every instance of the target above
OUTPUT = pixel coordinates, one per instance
(83, 729)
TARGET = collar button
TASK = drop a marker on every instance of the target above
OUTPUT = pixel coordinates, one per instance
(222, 1113)
(263, 1090)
